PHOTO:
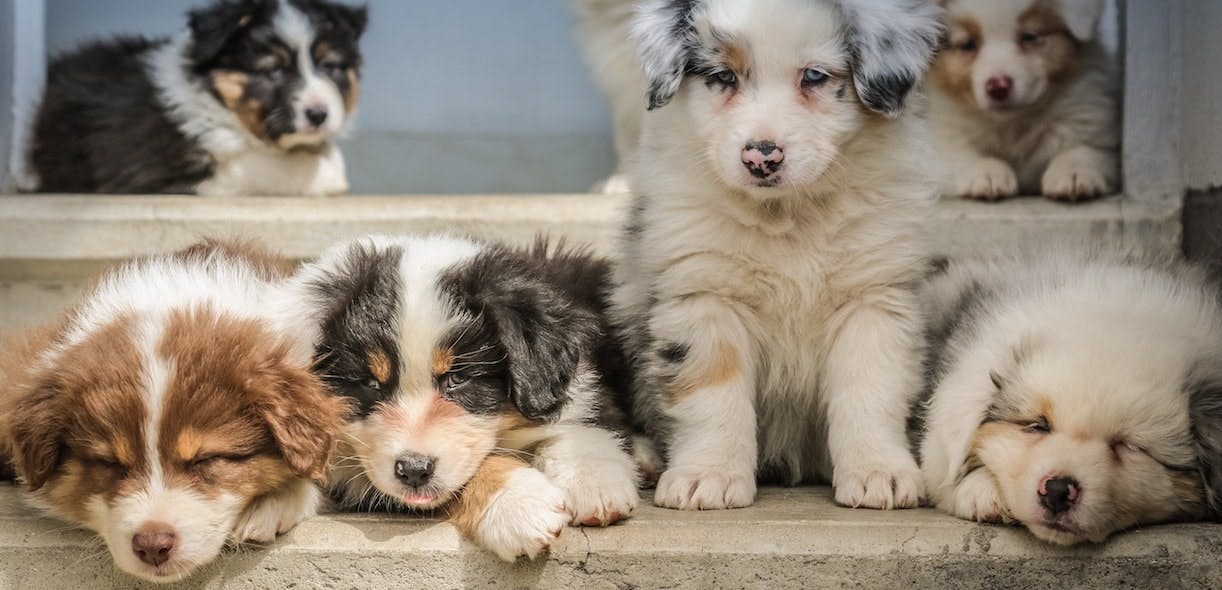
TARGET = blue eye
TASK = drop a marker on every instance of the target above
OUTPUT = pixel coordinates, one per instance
(812, 77)
(725, 78)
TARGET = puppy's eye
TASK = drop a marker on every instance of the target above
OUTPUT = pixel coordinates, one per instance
(1121, 446)
(331, 62)
(108, 463)
(1040, 426)
(812, 77)
(1029, 39)
(373, 384)
(968, 45)
(452, 381)
(724, 78)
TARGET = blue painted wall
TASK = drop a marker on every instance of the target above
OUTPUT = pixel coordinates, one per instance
(460, 96)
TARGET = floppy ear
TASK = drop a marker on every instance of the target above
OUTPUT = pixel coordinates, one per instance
(891, 43)
(1205, 412)
(213, 26)
(663, 31)
(303, 416)
(1082, 17)
(38, 424)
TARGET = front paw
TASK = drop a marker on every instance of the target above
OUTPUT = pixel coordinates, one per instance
(894, 484)
(524, 517)
(599, 492)
(988, 179)
(704, 488)
(1071, 178)
(977, 498)
(276, 514)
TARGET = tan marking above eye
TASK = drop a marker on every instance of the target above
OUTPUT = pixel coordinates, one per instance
(379, 365)
(443, 360)
(188, 445)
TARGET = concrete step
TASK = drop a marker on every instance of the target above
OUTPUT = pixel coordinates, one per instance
(50, 245)
(791, 538)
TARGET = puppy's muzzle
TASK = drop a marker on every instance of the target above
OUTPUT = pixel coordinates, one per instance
(763, 158)
(415, 470)
(1058, 494)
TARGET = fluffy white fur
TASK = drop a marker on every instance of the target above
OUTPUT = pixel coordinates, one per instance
(524, 516)
(1120, 358)
(1059, 133)
(774, 327)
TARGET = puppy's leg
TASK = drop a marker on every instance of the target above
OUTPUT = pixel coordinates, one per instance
(872, 372)
(973, 176)
(977, 498)
(703, 367)
(598, 476)
(1080, 173)
(509, 508)
(278, 512)
(330, 176)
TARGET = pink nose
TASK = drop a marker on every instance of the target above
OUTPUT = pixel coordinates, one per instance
(762, 158)
(154, 543)
(998, 87)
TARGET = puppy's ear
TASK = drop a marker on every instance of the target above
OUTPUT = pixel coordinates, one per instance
(1082, 17)
(304, 418)
(663, 33)
(1205, 413)
(891, 43)
(38, 424)
(213, 26)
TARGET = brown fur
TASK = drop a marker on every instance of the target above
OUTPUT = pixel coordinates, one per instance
(466, 510)
(721, 368)
(379, 366)
(443, 359)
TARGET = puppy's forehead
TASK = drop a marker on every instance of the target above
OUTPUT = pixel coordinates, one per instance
(780, 32)
(998, 17)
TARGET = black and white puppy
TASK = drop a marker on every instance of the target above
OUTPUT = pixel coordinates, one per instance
(248, 100)
(455, 352)
(767, 278)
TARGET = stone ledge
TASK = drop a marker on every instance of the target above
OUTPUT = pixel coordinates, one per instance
(790, 538)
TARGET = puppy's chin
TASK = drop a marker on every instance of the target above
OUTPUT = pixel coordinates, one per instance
(1061, 535)
(312, 141)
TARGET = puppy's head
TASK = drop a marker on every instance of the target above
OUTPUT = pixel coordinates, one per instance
(446, 347)
(774, 89)
(288, 69)
(1088, 441)
(1004, 56)
(158, 432)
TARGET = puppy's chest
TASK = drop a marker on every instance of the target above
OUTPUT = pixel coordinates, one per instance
(265, 172)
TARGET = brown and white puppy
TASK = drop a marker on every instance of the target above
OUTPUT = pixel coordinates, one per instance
(167, 412)
(1024, 99)
(1076, 394)
(454, 351)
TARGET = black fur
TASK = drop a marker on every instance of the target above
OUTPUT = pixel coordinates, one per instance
(889, 61)
(1205, 413)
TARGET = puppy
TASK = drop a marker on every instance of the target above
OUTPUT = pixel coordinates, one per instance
(765, 290)
(1023, 99)
(166, 412)
(454, 352)
(1075, 394)
(248, 101)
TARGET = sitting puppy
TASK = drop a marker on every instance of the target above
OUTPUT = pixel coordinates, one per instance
(765, 284)
(248, 101)
(1077, 395)
(167, 412)
(455, 351)
(1022, 98)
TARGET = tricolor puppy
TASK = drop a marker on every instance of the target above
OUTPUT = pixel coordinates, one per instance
(1078, 395)
(249, 100)
(1023, 99)
(454, 352)
(167, 411)
(766, 283)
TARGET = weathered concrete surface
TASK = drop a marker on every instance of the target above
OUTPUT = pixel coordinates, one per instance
(792, 538)
(50, 245)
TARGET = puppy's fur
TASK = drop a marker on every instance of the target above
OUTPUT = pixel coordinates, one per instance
(247, 101)
(1051, 126)
(166, 411)
(454, 351)
(768, 303)
(1102, 373)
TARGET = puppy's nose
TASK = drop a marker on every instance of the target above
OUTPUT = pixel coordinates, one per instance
(414, 470)
(999, 87)
(762, 158)
(1058, 494)
(316, 115)
(154, 543)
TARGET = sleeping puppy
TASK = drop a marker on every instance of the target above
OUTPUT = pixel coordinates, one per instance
(765, 288)
(1023, 99)
(1075, 394)
(167, 411)
(455, 351)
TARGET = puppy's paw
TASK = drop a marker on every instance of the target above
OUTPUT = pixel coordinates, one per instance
(988, 179)
(1070, 177)
(704, 488)
(601, 491)
(276, 514)
(524, 517)
(881, 485)
(977, 498)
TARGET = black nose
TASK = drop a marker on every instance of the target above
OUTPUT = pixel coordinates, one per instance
(1059, 494)
(414, 470)
(316, 115)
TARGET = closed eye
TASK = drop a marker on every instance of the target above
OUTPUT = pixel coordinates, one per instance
(1038, 426)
